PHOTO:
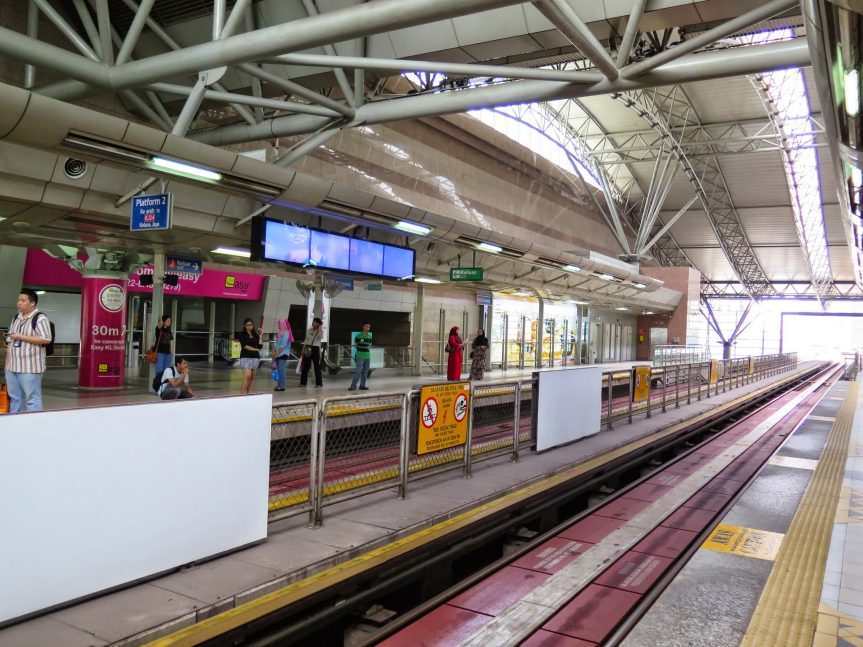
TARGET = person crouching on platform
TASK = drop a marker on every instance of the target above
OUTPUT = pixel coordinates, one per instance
(455, 350)
(175, 381)
(250, 355)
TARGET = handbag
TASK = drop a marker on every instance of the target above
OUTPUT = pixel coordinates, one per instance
(307, 350)
(152, 354)
(448, 348)
(277, 374)
(4, 399)
(471, 355)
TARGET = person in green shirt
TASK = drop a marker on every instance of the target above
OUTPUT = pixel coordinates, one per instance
(362, 357)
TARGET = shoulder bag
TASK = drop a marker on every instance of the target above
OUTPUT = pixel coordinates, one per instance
(307, 351)
(152, 354)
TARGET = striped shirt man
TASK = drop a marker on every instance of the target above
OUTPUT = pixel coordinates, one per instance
(23, 356)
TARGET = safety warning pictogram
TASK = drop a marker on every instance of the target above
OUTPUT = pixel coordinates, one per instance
(429, 413)
(460, 408)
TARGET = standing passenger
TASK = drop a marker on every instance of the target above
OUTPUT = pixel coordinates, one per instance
(455, 349)
(250, 355)
(162, 344)
(311, 354)
(28, 335)
(362, 357)
(283, 349)
(477, 355)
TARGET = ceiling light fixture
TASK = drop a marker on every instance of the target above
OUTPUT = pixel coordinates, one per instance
(488, 247)
(40, 292)
(606, 277)
(648, 312)
(622, 308)
(852, 93)
(572, 268)
(426, 279)
(522, 293)
(182, 168)
(640, 286)
(412, 227)
(231, 251)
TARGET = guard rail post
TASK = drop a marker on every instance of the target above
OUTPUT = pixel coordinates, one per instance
(404, 443)
(468, 445)
(631, 394)
(649, 392)
(689, 383)
(677, 386)
(316, 463)
(516, 425)
(609, 402)
(664, 387)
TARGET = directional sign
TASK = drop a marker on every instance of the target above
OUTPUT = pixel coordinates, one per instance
(443, 416)
(465, 274)
(184, 265)
(151, 212)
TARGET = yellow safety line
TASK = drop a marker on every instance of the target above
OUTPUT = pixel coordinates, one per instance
(787, 612)
(259, 607)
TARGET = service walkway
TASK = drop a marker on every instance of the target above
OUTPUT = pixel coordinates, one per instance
(141, 613)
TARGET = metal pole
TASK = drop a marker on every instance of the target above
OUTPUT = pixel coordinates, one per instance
(468, 445)
(416, 364)
(677, 386)
(649, 392)
(689, 383)
(322, 459)
(135, 30)
(157, 304)
(190, 109)
(211, 339)
(540, 335)
(578, 333)
(707, 371)
(304, 148)
(297, 89)
(504, 360)
(516, 432)
(609, 400)
(103, 19)
(551, 345)
(71, 35)
(631, 394)
(521, 345)
(219, 10)
(404, 441)
(567, 349)
(233, 21)
(664, 386)
(32, 32)
(465, 320)
(630, 33)
(443, 338)
(313, 465)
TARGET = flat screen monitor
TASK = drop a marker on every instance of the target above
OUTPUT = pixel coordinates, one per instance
(330, 250)
(287, 243)
(366, 257)
(398, 262)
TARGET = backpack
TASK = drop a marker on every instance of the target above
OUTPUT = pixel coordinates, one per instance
(158, 381)
(49, 347)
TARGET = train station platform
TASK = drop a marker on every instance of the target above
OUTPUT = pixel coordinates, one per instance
(355, 532)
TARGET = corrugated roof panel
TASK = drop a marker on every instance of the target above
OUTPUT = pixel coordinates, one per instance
(783, 263)
(712, 263)
(833, 224)
(811, 91)
(841, 263)
(613, 115)
(769, 225)
(728, 99)
(692, 228)
(756, 179)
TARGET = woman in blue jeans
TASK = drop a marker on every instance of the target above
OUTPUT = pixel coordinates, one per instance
(283, 349)
(162, 343)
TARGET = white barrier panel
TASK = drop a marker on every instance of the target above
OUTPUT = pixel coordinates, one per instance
(567, 406)
(94, 498)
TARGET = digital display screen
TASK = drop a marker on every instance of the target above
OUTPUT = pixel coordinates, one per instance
(330, 250)
(287, 243)
(398, 262)
(273, 240)
(367, 257)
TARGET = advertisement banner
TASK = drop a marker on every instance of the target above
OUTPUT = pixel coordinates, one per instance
(641, 391)
(443, 416)
(103, 332)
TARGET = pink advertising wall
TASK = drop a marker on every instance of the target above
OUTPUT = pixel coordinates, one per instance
(45, 271)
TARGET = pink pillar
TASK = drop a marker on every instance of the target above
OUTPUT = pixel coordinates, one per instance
(103, 331)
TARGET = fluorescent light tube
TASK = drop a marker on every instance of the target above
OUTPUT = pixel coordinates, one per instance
(412, 227)
(488, 247)
(425, 279)
(231, 251)
(640, 286)
(185, 169)
(572, 268)
(606, 277)
(852, 93)
(621, 308)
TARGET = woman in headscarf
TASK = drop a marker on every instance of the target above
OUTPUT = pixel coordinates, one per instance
(455, 350)
(477, 355)
(283, 351)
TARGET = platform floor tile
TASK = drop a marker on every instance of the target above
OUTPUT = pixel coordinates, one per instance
(592, 530)
(635, 572)
(665, 542)
(48, 631)
(444, 626)
(579, 620)
(543, 638)
(552, 555)
(496, 593)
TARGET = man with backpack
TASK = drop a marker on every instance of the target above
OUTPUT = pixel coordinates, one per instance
(175, 381)
(27, 340)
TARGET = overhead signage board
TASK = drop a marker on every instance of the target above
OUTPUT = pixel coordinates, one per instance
(443, 416)
(344, 282)
(184, 265)
(483, 298)
(151, 212)
(465, 274)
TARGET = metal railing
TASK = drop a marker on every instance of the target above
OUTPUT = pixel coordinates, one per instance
(669, 355)
(348, 446)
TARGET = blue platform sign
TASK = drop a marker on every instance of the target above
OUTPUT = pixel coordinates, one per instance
(151, 212)
(184, 265)
(345, 282)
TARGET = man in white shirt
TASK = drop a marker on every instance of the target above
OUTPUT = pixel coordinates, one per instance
(175, 381)
(28, 335)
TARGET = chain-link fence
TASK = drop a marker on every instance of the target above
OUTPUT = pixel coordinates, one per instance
(344, 447)
(293, 443)
(360, 446)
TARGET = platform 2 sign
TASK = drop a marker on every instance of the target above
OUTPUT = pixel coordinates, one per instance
(746, 542)
(641, 390)
(151, 212)
(443, 416)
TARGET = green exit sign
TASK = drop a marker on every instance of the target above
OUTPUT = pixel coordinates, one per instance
(465, 274)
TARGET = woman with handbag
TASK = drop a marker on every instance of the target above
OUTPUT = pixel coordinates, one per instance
(477, 355)
(283, 349)
(160, 352)
(311, 354)
(250, 355)
(455, 352)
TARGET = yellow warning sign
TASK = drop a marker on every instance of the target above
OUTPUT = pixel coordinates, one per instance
(714, 371)
(747, 542)
(751, 365)
(641, 390)
(443, 416)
